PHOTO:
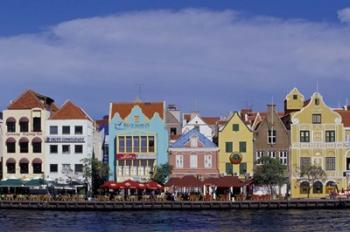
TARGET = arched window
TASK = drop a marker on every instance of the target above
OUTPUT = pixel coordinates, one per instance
(37, 166)
(23, 145)
(330, 187)
(11, 145)
(304, 187)
(318, 187)
(36, 144)
(11, 166)
(23, 124)
(23, 165)
(11, 125)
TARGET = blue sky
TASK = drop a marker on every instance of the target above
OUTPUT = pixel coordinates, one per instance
(223, 55)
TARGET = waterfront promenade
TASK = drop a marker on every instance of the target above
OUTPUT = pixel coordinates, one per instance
(177, 205)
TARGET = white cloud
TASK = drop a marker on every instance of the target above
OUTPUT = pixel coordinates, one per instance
(223, 59)
(344, 15)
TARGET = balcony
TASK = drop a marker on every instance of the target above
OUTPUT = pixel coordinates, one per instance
(318, 145)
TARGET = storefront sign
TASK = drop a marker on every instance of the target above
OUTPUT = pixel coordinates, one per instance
(65, 140)
(126, 125)
(132, 156)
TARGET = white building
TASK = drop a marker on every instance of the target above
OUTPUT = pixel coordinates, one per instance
(69, 140)
(193, 120)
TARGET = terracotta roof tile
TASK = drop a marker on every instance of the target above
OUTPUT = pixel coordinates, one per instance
(148, 108)
(210, 120)
(345, 114)
(30, 99)
(70, 111)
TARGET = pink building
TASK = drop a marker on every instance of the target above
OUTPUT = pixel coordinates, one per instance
(194, 154)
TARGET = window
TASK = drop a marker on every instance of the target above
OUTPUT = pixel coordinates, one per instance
(242, 168)
(121, 144)
(36, 146)
(11, 145)
(304, 136)
(317, 101)
(318, 187)
(53, 149)
(259, 155)
(179, 161)
(295, 97)
(78, 130)
(65, 149)
(348, 164)
(78, 168)
(330, 163)
(228, 147)
(66, 130)
(128, 144)
(242, 147)
(53, 130)
(193, 161)
(78, 149)
(208, 161)
(23, 125)
(151, 144)
(11, 166)
(284, 157)
(194, 141)
(143, 144)
(330, 136)
(37, 168)
(272, 154)
(304, 187)
(305, 162)
(37, 124)
(229, 169)
(271, 136)
(23, 165)
(53, 168)
(11, 125)
(235, 127)
(316, 118)
(66, 169)
(173, 131)
(136, 143)
(24, 145)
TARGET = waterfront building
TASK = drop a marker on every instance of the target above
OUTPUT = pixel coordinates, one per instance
(236, 148)
(194, 154)
(69, 140)
(138, 139)
(23, 136)
(206, 125)
(102, 141)
(317, 138)
(174, 123)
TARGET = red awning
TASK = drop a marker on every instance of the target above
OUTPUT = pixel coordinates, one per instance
(152, 185)
(172, 182)
(189, 182)
(225, 182)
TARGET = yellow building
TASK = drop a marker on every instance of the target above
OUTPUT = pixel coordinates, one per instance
(236, 146)
(317, 138)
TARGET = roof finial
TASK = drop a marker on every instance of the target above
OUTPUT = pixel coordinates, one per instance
(139, 89)
(317, 89)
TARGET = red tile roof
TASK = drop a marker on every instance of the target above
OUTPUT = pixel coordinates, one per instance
(211, 120)
(148, 108)
(70, 111)
(30, 99)
(345, 114)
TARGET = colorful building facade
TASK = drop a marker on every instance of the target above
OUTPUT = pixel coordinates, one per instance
(236, 148)
(138, 140)
(194, 154)
(317, 139)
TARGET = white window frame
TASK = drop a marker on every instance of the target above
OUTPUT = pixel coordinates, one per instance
(193, 161)
(179, 161)
(208, 161)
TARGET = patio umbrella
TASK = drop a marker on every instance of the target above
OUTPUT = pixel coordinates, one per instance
(131, 184)
(152, 185)
(111, 185)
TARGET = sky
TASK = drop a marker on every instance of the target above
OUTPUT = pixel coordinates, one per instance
(214, 57)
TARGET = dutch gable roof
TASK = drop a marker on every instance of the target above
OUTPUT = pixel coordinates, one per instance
(148, 109)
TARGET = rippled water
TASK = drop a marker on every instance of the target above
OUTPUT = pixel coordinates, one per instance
(230, 220)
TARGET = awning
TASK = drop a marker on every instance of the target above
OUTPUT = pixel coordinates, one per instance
(12, 183)
(186, 181)
(225, 182)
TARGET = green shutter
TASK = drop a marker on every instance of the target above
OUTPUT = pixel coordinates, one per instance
(228, 146)
(242, 147)
(229, 169)
(243, 168)
(235, 127)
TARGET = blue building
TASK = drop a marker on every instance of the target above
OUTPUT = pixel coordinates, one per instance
(138, 140)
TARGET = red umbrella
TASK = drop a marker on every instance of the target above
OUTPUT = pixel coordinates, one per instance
(131, 184)
(152, 185)
(109, 185)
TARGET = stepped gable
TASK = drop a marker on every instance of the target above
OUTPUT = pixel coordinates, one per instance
(70, 111)
(148, 109)
(30, 99)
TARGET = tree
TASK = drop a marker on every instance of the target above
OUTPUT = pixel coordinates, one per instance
(270, 172)
(311, 173)
(162, 173)
(96, 171)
